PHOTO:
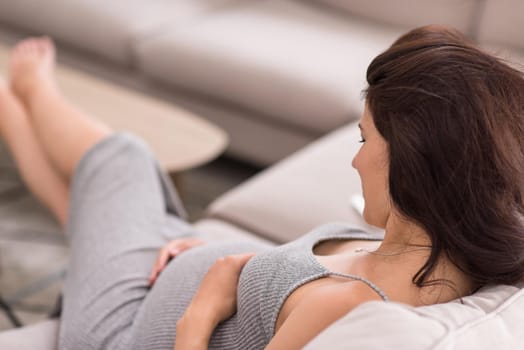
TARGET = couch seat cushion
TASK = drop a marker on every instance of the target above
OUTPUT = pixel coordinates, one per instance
(307, 189)
(107, 28)
(492, 318)
(216, 230)
(42, 336)
(294, 63)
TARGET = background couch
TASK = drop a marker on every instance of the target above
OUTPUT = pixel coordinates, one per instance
(277, 74)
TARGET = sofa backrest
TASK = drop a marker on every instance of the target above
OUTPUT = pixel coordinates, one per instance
(501, 23)
(106, 28)
(412, 13)
(492, 318)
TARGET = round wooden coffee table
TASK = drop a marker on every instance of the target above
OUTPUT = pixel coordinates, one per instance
(179, 139)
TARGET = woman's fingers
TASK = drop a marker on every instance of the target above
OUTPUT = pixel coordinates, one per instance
(237, 260)
(166, 254)
(244, 258)
(171, 250)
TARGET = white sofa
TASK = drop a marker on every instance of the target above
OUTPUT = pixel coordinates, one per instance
(276, 74)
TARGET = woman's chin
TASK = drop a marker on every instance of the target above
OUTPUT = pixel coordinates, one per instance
(372, 219)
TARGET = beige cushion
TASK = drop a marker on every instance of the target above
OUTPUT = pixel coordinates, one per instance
(490, 319)
(411, 13)
(216, 230)
(290, 62)
(107, 28)
(307, 189)
(41, 336)
(502, 23)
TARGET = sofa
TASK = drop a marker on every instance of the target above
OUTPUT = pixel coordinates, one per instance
(278, 75)
(275, 74)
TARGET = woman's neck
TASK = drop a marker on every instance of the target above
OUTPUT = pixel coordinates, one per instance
(403, 234)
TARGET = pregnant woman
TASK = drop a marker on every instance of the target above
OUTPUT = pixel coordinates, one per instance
(442, 171)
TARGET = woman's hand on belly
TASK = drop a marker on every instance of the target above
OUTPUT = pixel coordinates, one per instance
(170, 251)
(214, 302)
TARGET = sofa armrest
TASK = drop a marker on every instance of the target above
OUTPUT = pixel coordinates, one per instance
(42, 335)
(309, 188)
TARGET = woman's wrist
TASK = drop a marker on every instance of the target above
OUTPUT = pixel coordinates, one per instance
(194, 330)
(190, 336)
(201, 315)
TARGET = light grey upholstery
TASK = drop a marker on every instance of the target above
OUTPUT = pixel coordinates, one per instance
(310, 187)
(285, 60)
(460, 14)
(502, 24)
(41, 336)
(107, 28)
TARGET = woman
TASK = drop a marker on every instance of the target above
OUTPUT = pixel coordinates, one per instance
(442, 171)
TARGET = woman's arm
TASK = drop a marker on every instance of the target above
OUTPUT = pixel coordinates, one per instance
(214, 302)
(193, 331)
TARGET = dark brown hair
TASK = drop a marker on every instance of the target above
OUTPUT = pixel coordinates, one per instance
(453, 118)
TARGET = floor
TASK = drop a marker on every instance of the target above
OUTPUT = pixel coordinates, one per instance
(34, 253)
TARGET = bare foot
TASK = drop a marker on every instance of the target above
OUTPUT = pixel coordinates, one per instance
(32, 63)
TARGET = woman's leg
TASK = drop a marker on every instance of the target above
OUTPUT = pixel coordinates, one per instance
(38, 173)
(65, 132)
(119, 209)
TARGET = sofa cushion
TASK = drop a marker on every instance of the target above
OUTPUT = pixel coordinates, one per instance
(216, 230)
(501, 23)
(289, 61)
(107, 28)
(412, 13)
(42, 336)
(309, 188)
(492, 318)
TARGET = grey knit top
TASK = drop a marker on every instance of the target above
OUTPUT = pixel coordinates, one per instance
(269, 278)
(264, 284)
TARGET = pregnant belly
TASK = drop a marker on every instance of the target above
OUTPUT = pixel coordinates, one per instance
(155, 323)
(183, 275)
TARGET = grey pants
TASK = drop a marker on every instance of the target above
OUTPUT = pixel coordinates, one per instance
(122, 211)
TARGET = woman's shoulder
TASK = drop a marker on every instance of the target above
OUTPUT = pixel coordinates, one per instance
(328, 303)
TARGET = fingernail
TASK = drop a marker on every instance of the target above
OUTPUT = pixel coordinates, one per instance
(175, 251)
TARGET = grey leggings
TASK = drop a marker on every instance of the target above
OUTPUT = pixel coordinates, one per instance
(121, 212)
